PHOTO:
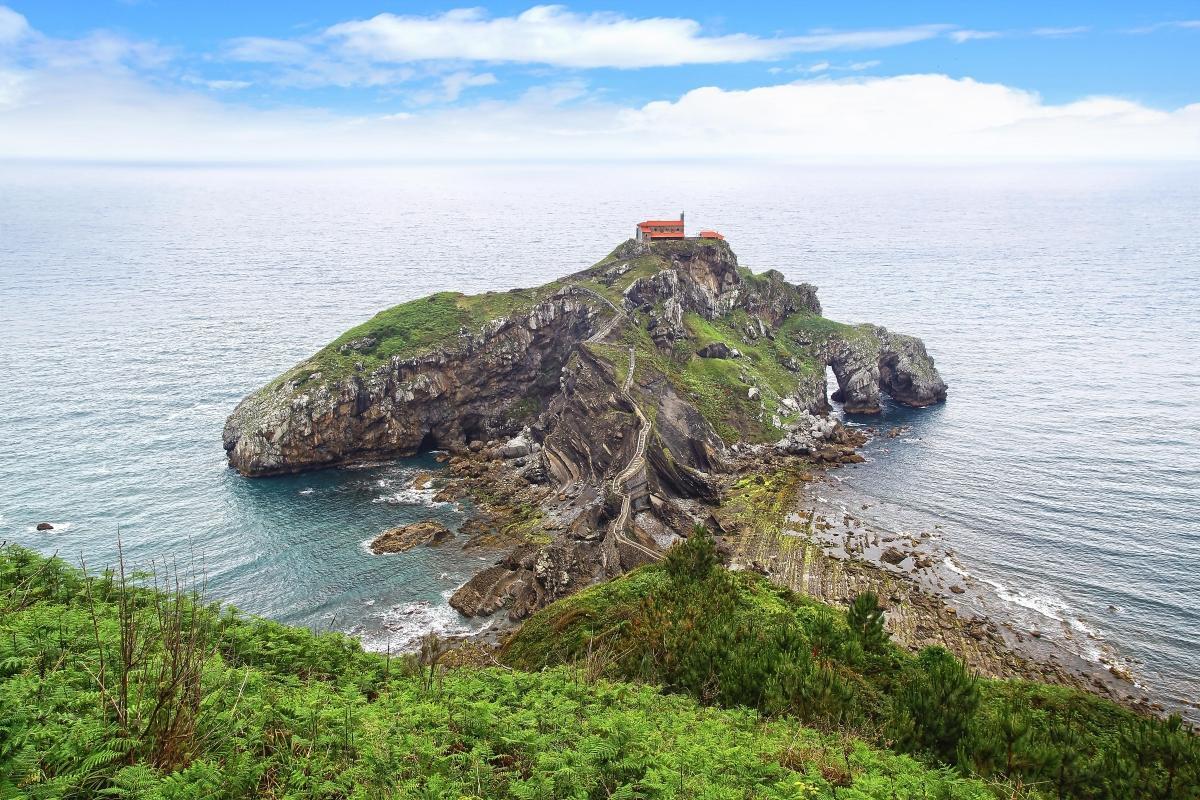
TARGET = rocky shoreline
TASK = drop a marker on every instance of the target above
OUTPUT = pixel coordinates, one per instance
(813, 540)
(1006, 642)
(785, 532)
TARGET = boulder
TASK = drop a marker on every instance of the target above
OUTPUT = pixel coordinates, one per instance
(807, 435)
(716, 350)
(893, 556)
(406, 537)
(45, 526)
(515, 448)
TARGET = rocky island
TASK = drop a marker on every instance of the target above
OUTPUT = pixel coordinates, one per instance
(610, 405)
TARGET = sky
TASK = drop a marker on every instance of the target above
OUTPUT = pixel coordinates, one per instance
(218, 81)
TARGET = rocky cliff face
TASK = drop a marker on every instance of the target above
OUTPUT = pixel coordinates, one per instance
(722, 359)
(477, 386)
(874, 361)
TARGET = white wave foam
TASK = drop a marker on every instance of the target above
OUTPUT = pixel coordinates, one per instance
(403, 626)
(307, 491)
(1044, 605)
(59, 527)
(411, 497)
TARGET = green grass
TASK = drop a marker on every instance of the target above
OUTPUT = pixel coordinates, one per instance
(642, 266)
(411, 329)
(720, 396)
(716, 386)
(815, 328)
(734, 639)
(269, 711)
(760, 502)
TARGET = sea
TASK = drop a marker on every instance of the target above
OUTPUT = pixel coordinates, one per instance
(139, 304)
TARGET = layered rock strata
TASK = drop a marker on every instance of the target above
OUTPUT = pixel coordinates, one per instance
(536, 386)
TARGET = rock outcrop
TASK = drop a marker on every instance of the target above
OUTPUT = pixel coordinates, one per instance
(661, 364)
(871, 361)
(406, 537)
(474, 387)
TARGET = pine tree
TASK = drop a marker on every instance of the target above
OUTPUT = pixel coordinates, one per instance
(693, 559)
(937, 705)
(1064, 764)
(865, 619)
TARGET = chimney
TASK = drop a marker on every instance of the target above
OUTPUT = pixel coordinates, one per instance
(680, 217)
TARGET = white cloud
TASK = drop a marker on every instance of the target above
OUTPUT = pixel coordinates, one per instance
(921, 117)
(452, 87)
(552, 34)
(223, 86)
(13, 26)
(104, 97)
(926, 118)
(454, 83)
(967, 35)
(1059, 33)
(825, 66)
(555, 94)
(1181, 24)
(266, 50)
(10, 88)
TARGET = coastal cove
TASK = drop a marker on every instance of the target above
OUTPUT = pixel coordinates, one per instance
(1037, 428)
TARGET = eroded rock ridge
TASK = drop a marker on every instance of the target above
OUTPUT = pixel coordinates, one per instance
(537, 384)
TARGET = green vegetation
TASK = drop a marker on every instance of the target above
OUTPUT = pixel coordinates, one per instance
(412, 328)
(108, 690)
(759, 503)
(733, 639)
(714, 385)
(803, 327)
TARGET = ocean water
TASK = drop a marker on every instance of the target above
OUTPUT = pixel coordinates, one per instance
(139, 304)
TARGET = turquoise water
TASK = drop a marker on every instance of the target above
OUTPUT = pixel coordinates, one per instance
(138, 305)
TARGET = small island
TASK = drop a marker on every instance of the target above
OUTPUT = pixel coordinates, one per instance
(610, 409)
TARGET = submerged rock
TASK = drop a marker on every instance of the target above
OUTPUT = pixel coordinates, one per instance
(406, 537)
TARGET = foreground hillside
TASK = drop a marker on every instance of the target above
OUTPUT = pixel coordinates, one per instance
(111, 691)
(736, 640)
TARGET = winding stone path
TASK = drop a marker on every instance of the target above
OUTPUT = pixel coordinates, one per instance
(632, 468)
(606, 329)
(638, 461)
